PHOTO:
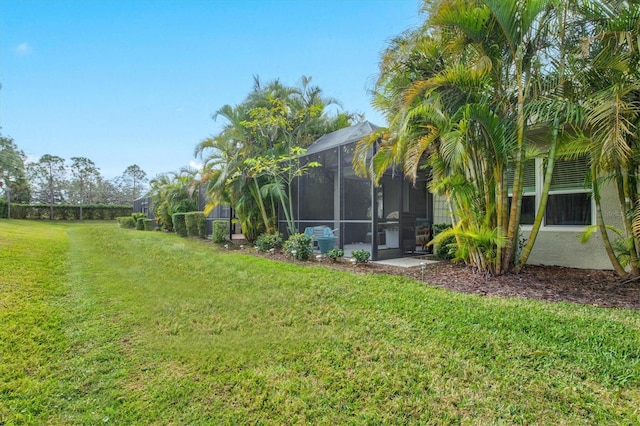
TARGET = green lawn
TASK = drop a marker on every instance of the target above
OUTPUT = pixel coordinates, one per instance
(101, 325)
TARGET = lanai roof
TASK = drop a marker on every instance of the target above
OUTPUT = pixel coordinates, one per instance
(342, 137)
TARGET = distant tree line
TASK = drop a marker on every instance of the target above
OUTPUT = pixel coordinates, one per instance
(53, 181)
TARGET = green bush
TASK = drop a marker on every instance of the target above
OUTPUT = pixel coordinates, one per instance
(179, 224)
(266, 242)
(361, 256)
(191, 224)
(301, 243)
(137, 216)
(335, 254)
(148, 224)
(126, 222)
(196, 224)
(445, 249)
(140, 223)
(220, 231)
(201, 220)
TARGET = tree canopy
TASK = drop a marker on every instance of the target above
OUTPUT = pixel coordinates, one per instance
(268, 128)
(483, 87)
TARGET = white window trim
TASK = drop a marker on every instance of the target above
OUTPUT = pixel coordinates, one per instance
(539, 163)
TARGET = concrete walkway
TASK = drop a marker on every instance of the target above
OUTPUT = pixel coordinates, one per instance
(406, 262)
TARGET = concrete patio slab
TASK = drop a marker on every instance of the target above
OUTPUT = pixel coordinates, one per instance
(406, 262)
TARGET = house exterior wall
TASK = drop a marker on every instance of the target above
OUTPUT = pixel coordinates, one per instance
(144, 205)
(561, 246)
(440, 210)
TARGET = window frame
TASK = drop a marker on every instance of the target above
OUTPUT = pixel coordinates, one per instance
(539, 185)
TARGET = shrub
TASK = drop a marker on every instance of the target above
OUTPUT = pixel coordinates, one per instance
(126, 222)
(148, 224)
(361, 256)
(191, 224)
(301, 243)
(179, 224)
(266, 242)
(446, 248)
(335, 254)
(137, 216)
(140, 223)
(220, 231)
(196, 224)
(201, 221)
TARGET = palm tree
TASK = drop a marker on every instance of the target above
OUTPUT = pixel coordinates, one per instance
(225, 174)
(273, 120)
(173, 193)
(611, 74)
(456, 94)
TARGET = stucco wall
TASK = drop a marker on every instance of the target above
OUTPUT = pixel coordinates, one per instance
(561, 246)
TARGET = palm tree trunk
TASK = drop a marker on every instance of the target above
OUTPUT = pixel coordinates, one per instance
(499, 214)
(628, 207)
(263, 210)
(290, 225)
(551, 160)
(516, 196)
(602, 228)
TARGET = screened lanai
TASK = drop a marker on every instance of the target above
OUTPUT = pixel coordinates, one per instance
(390, 221)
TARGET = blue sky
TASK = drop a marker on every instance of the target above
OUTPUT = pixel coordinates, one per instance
(136, 81)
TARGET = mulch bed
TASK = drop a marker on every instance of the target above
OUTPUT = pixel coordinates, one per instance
(549, 283)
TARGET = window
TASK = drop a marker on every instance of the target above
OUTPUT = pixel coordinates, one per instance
(528, 208)
(569, 200)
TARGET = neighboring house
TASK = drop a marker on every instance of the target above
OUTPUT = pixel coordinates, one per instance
(392, 219)
(143, 205)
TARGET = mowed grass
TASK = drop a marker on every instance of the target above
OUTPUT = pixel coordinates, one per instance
(101, 325)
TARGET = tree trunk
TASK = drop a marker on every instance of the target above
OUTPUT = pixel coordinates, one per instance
(263, 210)
(516, 195)
(8, 202)
(551, 160)
(628, 227)
(620, 271)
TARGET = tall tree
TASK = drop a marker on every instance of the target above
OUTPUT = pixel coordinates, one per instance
(85, 174)
(137, 177)
(12, 171)
(49, 173)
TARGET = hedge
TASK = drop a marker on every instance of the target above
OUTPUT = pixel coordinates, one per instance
(127, 222)
(179, 224)
(65, 211)
(196, 224)
(148, 224)
(220, 231)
